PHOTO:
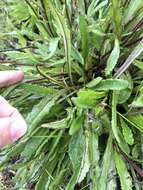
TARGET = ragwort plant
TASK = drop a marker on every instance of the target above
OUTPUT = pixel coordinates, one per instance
(82, 96)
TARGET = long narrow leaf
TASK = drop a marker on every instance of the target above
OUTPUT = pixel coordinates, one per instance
(84, 37)
(114, 116)
(106, 165)
(125, 178)
(40, 111)
(65, 32)
(113, 58)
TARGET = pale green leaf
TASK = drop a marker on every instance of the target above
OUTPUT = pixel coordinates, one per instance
(76, 124)
(60, 124)
(76, 55)
(84, 37)
(133, 7)
(40, 111)
(94, 82)
(113, 58)
(85, 163)
(137, 121)
(112, 184)
(47, 50)
(64, 31)
(88, 98)
(138, 102)
(32, 146)
(138, 64)
(127, 133)
(106, 165)
(125, 178)
(76, 149)
(117, 17)
(125, 94)
(95, 6)
(112, 84)
(58, 180)
(73, 180)
(37, 89)
(114, 116)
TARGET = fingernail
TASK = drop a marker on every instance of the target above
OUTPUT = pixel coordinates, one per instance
(18, 130)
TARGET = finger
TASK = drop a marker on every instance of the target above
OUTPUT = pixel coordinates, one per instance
(10, 77)
(6, 109)
(12, 124)
(12, 128)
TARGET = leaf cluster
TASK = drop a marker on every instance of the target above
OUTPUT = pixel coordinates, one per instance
(81, 96)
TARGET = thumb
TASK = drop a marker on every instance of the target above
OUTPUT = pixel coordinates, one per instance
(11, 129)
(12, 124)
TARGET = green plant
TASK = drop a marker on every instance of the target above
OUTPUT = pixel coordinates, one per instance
(82, 93)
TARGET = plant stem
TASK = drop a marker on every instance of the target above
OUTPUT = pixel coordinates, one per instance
(49, 78)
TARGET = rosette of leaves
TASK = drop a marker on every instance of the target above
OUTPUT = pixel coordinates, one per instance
(82, 93)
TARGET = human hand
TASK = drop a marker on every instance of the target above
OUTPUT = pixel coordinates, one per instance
(12, 124)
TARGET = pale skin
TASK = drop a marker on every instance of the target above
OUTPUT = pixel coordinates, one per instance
(12, 124)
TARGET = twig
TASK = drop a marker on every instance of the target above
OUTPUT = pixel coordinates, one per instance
(7, 61)
(136, 168)
(34, 80)
(17, 49)
(64, 81)
(136, 112)
(135, 53)
(49, 77)
(21, 64)
(139, 25)
(134, 42)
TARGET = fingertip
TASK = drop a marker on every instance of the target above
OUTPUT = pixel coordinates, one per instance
(11, 129)
(18, 129)
(10, 77)
(19, 75)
